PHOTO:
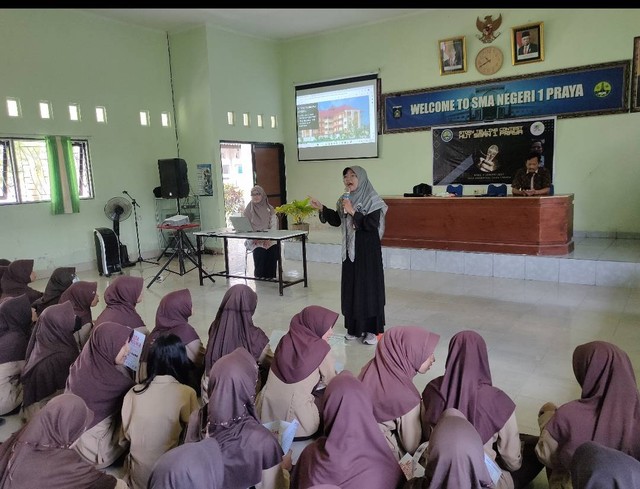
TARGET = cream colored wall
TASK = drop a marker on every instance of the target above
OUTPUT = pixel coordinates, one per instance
(66, 57)
(596, 157)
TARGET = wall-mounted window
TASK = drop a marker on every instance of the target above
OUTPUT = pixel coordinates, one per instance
(74, 112)
(101, 115)
(274, 122)
(260, 120)
(144, 118)
(246, 119)
(231, 118)
(13, 107)
(45, 109)
(165, 119)
(24, 170)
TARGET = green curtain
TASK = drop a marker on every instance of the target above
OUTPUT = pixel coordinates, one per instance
(62, 176)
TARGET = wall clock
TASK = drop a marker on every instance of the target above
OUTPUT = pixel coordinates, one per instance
(489, 60)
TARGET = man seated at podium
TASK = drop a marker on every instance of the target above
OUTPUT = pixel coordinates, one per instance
(532, 180)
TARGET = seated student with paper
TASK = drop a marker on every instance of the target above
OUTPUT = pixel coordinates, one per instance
(156, 412)
(532, 180)
(455, 457)
(253, 456)
(467, 386)
(121, 297)
(302, 366)
(352, 453)
(100, 378)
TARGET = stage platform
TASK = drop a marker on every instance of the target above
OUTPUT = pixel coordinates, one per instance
(595, 260)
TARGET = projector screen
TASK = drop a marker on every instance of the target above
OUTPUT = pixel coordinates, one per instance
(338, 119)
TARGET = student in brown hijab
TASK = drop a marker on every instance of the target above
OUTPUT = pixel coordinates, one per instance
(352, 453)
(83, 295)
(54, 350)
(191, 466)
(4, 262)
(172, 317)
(155, 413)
(15, 280)
(454, 457)
(60, 280)
(302, 366)
(608, 411)
(262, 216)
(39, 454)
(233, 327)
(595, 466)
(16, 319)
(467, 386)
(121, 297)
(388, 378)
(252, 454)
(99, 376)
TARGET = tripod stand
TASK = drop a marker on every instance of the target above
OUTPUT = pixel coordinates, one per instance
(135, 218)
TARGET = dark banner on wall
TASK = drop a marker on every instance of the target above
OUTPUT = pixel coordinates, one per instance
(588, 90)
(479, 154)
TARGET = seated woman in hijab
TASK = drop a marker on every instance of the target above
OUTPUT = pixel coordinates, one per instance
(352, 453)
(454, 457)
(190, 466)
(39, 454)
(388, 378)
(303, 365)
(60, 280)
(252, 454)
(172, 317)
(83, 295)
(466, 386)
(155, 413)
(54, 350)
(233, 327)
(595, 466)
(608, 411)
(262, 216)
(16, 320)
(15, 281)
(121, 297)
(99, 376)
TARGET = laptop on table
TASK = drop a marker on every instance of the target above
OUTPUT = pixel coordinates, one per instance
(241, 224)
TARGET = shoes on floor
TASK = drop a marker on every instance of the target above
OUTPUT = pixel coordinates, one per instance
(350, 337)
(370, 339)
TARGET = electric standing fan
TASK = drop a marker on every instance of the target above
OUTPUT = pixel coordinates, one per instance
(117, 209)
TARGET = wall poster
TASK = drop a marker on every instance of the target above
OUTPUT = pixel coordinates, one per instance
(479, 154)
(205, 179)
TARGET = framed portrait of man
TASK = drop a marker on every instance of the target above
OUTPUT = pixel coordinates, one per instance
(527, 43)
(452, 54)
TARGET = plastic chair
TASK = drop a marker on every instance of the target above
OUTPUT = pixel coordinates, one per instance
(497, 190)
(455, 189)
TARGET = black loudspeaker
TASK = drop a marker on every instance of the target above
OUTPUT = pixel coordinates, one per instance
(173, 178)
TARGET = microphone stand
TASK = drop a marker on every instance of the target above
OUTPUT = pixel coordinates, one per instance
(135, 218)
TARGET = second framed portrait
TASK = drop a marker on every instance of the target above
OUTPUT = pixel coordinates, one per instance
(527, 43)
(635, 76)
(452, 55)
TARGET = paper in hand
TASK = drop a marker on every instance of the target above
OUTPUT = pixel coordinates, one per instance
(284, 431)
(132, 360)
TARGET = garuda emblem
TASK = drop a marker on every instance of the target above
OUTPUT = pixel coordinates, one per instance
(488, 27)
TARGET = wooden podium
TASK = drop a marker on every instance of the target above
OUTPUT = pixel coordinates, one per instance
(520, 225)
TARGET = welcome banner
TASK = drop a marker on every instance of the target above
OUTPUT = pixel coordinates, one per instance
(589, 90)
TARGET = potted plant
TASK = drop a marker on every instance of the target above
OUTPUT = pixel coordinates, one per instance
(298, 211)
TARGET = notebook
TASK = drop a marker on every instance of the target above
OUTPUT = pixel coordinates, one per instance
(241, 224)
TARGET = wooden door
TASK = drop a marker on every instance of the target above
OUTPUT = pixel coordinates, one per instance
(269, 173)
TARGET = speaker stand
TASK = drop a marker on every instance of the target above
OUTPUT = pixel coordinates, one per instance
(183, 249)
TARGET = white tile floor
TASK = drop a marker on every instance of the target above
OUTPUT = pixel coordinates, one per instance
(531, 327)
